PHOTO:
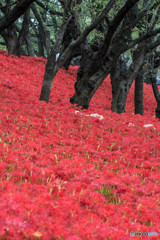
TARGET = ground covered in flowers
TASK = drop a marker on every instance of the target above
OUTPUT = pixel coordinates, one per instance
(66, 174)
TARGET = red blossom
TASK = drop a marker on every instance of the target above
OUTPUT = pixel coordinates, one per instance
(73, 176)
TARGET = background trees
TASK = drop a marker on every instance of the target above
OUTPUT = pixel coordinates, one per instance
(110, 37)
(117, 40)
(19, 8)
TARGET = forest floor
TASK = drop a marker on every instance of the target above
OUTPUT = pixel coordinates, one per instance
(66, 174)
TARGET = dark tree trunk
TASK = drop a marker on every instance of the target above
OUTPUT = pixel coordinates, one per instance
(75, 53)
(122, 79)
(28, 39)
(41, 43)
(15, 39)
(152, 62)
(119, 97)
(120, 86)
(72, 32)
(158, 110)
(14, 14)
(44, 32)
(138, 94)
(53, 66)
(87, 82)
(50, 73)
(12, 42)
(157, 96)
(86, 86)
(93, 72)
(29, 45)
(100, 64)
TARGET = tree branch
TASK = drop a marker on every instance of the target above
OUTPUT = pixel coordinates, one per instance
(25, 26)
(99, 57)
(47, 9)
(144, 37)
(153, 45)
(14, 14)
(43, 27)
(9, 5)
(88, 29)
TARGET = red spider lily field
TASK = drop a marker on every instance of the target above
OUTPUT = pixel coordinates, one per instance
(72, 174)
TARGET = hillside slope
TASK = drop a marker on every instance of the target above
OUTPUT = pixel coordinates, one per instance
(67, 174)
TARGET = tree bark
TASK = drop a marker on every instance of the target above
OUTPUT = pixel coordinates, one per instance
(138, 94)
(12, 42)
(14, 38)
(75, 53)
(98, 65)
(86, 85)
(158, 110)
(42, 28)
(14, 14)
(91, 76)
(120, 86)
(122, 79)
(92, 73)
(52, 65)
(29, 45)
(41, 43)
(156, 95)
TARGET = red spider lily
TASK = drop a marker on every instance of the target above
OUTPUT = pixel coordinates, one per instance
(73, 176)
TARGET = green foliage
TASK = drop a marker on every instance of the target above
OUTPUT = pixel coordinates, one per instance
(110, 197)
(86, 12)
(95, 35)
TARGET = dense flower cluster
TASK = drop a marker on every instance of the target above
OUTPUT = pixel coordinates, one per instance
(69, 175)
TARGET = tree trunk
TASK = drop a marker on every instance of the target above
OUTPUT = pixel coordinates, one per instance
(119, 97)
(12, 42)
(44, 32)
(100, 64)
(86, 86)
(87, 82)
(41, 43)
(75, 53)
(26, 36)
(158, 110)
(29, 45)
(122, 79)
(50, 72)
(15, 39)
(156, 95)
(92, 74)
(14, 13)
(138, 94)
(152, 73)
(120, 86)
(52, 65)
